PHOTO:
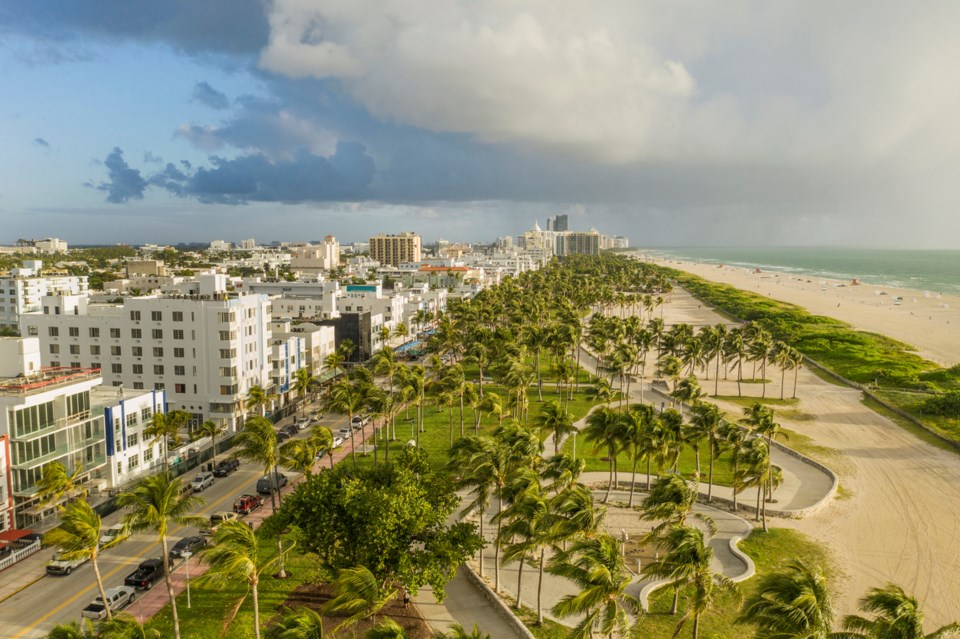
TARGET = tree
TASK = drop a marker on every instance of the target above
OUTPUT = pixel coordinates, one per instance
(359, 595)
(78, 537)
(55, 484)
(670, 502)
(707, 423)
(596, 567)
(347, 398)
(897, 615)
(388, 629)
(635, 427)
(212, 430)
(603, 429)
(493, 404)
(258, 399)
(687, 391)
(529, 530)
(391, 519)
(458, 632)
(323, 439)
(296, 623)
(73, 630)
(126, 626)
(165, 428)
(299, 455)
(236, 556)
(554, 419)
(153, 504)
(303, 382)
(792, 603)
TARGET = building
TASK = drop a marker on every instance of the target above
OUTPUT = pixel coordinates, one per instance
(358, 327)
(316, 258)
(142, 268)
(6, 485)
(22, 290)
(205, 349)
(48, 246)
(247, 245)
(560, 223)
(220, 245)
(396, 249)
(578, 243)
(126, 414)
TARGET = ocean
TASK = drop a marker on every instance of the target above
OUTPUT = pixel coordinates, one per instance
(935, 271)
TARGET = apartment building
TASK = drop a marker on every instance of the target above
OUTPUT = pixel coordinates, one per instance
(578, 243)
(396, 249)
(205, 350)
(126, 414)
(6, 485)
(318, 342)
(22, 289)
(316, 258)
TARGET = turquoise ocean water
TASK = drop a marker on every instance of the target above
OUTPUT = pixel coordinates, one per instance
(936, 271)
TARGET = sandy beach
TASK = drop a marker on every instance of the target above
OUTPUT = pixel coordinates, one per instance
(897, 519)
(926, 320)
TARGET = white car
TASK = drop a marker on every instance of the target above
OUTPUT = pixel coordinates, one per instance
(337, 441)
(201, 481)
(117, 532)
(302, 423)
(118, 598)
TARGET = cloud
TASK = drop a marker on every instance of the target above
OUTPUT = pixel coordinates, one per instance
(41, 142)
(206, 94)
(123, 184)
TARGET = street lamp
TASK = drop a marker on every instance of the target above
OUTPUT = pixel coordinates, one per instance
(186, 555)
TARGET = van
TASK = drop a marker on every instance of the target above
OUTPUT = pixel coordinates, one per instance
(268, 483)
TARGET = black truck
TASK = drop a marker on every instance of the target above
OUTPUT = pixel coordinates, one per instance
(147, 573)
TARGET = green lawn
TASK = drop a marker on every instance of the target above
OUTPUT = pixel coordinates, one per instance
(747, 402)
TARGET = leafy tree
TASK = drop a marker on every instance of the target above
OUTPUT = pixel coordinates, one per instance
(359, 595)
(126, 626)
(73, 630)
(258, 399)
(897, 615)
(212, 430)
(391, 519)
(792, 603)
(296, 623)
(55, 484)
(458, 632)
(165, 428)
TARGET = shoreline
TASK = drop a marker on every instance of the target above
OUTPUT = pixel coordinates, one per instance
(930, 322)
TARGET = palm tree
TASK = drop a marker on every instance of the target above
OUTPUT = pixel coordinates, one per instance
(596, 566)
(73, 630)
(554, 419)
(166, 427)
(469, 461)
(601, 391)
(154, 503)
(493, 404)
(258, 399)
(347, 398)
(334, 362)
(55, 484)
(687, 391)
(236, 556)
(457, 632)
(126, 626)
(759, 348)
(389, 629)
(707, 422)
(563, 470)
(793, 603)
(735, 439)
(303, 382)
(603, 429)
(296, 623)
(212, 430)
(299, 455)
(670, 502)
(897, 615)
(359, 596)
(758, 471)
(735, 347)
(635, 425)
(323, 438)
(529, 530)
(78, 537)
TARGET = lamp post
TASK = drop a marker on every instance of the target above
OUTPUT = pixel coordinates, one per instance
(186, 555)
(574, 445)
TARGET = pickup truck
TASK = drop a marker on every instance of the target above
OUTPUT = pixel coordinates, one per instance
(245, 504)
(147, 573)
(226, 466)
(60, 566)
(118, 598)
(216, 519)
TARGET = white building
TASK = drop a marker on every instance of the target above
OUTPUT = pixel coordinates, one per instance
(248, 245)
(21, 291)
(51, 245)
(206, 350)
(126, 414)
(6, 485)
(316, 258)
(220, 245)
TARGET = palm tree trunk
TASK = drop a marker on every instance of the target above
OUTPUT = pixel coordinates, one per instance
(103, 593)
(519, 582)
(633, 479)
(353, 445)
(696, 453)
(543, 552)
(710, 484)
(763, 511)
(451, 424)
(696, 626)
(461, 415)
(759, 500)
(716, 378)
(796, 371)
(256, 609)
(783, 376)
(496, 547)
(166, 578)
(648, 474)
(483, 540)
(739, 376)
(676, 600)
(606, 497)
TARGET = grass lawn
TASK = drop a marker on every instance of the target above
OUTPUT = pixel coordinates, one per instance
(949, 427)
(770, 551)
(747, 402)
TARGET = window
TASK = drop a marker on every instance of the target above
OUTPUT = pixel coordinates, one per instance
(133, 440)
(54, 349)
(226, 336)
(148, 455)
(158, 369)
(94, 331)
(135, 316)
(157, 351)
(228, 353)
(228, 371)
(177, 316)
(55, 364)
(158, 386)
(133, 462)
(136, 333)
(138, 369)
(32, 330)
(116, 368)
(138, 386)
(78, 404)
(33, 418)
(95, 365)
(53, 331)
(94, 349)
(156, 316)
(119, 467)
(74, 364)
(74, 349)
(179, 370)
(145, 414)
(116, 351)
(228, 389)
(177, 334)
(226, 317)
(115, 333)
(74, 331)
(157, 333)
(138, 351)
(178, 352)
(180, 388)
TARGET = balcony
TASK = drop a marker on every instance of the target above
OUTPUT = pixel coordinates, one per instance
(56, 453)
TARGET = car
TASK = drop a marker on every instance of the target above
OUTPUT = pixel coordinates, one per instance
(216, 519)
(282, 436)
(115, 533)
(269, 483)
(147, 573)
(337, 441)
(188, 544)
(302, 423)
(316, 414)
(226, 466)
(245, 504)
(201, 481)
(344, 432)
(60, 566)
(291, 430)
(118, 598)
(359, 421)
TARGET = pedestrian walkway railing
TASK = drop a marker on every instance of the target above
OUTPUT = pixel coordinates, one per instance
(17, 555)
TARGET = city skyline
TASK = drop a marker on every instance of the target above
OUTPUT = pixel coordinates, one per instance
(732, 125)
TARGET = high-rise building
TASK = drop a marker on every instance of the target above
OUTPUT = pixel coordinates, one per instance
(560, 223)
(394, 250)
(578, 243)
(21, 291)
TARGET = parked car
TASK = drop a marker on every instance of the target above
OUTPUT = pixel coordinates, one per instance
(245, 504)
(190, 544)
(117, 532)
(302, 423)
(201, 481)
(147, 573)
(60, 566)
(291, 430)
(271, 483)
(344, 432)
(337, 441)
(316, 414)
(282, 436)
(118, 598)
(216, 519)
(226, 466)
(359, 421)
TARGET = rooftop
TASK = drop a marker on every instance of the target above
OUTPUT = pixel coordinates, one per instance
(46, 379)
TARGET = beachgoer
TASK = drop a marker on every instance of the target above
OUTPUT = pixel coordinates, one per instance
(406, 600)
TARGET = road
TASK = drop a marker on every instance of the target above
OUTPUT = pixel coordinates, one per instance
(31, 613)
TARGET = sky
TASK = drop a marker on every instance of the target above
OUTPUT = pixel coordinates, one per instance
(680, 123)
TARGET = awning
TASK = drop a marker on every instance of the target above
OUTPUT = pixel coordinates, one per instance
(13, 535)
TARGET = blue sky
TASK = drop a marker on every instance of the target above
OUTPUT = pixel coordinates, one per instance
(675, 124)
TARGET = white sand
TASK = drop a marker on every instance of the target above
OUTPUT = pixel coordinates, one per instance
(925, 319)
(901, 522)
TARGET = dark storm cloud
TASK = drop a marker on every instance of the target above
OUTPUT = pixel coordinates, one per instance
(123, 184)
(211, 26)
(206, 94)
(41, 142)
